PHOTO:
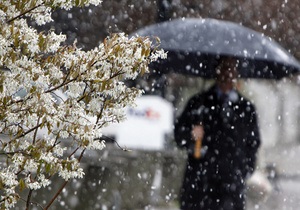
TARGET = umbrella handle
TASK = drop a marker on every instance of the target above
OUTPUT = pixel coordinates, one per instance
(197, 149)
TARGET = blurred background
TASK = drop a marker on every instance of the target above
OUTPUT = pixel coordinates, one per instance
(149, 176)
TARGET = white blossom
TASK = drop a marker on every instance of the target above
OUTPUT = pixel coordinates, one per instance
(59, 151)
(159, 54)
(73, 172)
(8, 178)
(48, 157)
(31, 165)
(41, 181)
(10, 200)
(98, 145)
(35, 185)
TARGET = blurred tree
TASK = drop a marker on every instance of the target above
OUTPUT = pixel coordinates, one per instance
(277, 19)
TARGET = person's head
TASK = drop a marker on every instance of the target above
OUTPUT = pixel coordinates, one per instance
(227, 73)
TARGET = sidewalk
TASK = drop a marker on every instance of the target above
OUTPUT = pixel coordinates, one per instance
(286, 197)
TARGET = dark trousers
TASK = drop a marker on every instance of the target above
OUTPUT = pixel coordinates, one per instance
(212, 195)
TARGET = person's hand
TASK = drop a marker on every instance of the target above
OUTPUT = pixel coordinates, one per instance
(197, 132)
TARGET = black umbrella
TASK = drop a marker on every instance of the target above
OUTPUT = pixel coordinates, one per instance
(194, 45)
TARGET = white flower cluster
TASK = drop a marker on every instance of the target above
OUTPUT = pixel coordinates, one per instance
(71, 170)
(39, 182)
(56, 99)
(9, 180)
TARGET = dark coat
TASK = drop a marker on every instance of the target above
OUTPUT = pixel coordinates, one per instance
(229, 146)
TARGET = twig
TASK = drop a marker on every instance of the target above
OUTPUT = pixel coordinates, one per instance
(56, 195)
(36, 130)
(61, 85)
(111, 139)
(28, 199)
(30, 130)
(22, 14)
(81, 155)
(15, 152)
(63, 185)
(35, 203)
(74, 152)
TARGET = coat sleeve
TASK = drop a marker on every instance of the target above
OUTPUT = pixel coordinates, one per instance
(184, 123)
(252, 142)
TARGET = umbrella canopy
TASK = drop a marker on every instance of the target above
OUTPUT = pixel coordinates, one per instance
(194, 45)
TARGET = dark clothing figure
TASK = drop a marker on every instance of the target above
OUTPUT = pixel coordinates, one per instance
(216, 181)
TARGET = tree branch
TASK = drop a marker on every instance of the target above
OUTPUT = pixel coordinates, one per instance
(63, 185)
(37, 204)
(12, 153)
(36, 130)
(30, 130)
(28, 199)
(24, 13)
(56, 195)
(106, 137)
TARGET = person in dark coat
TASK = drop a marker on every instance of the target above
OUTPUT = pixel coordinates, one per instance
(223, 124)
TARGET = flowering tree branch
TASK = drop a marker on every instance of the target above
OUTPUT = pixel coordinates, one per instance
(56, 99)
(24, 13)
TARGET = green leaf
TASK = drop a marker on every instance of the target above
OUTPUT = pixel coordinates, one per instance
(22, 184)
(48, 168)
